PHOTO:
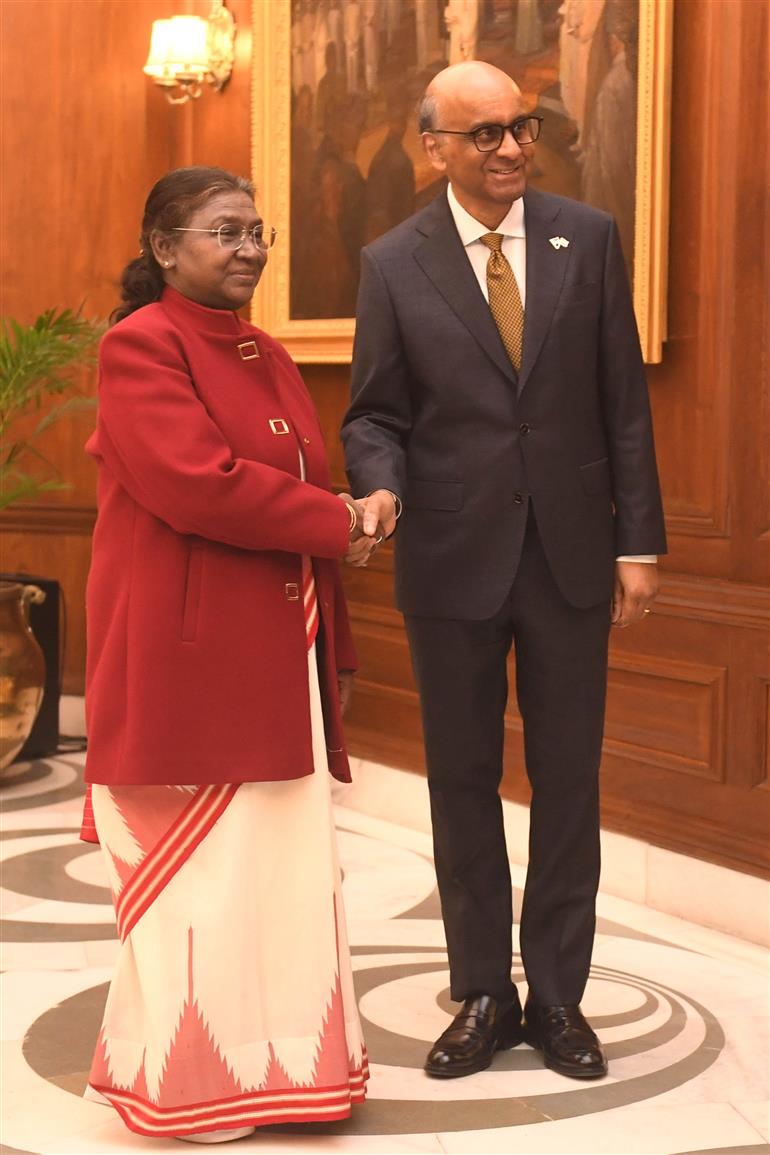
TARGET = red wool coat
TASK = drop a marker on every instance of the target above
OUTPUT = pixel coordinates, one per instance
(197, 653)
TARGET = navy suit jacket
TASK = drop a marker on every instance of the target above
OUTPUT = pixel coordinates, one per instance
(440, 416)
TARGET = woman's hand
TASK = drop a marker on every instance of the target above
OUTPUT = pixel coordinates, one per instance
(357, 524)
(361, 550)
(365, 535)
(345, 686)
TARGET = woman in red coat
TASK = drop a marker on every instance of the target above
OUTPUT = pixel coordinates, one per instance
(218, 647)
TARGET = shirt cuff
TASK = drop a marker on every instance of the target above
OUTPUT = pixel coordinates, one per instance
(647, 558)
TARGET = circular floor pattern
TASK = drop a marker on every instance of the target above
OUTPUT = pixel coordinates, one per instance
(41, 783)
(656, 1038)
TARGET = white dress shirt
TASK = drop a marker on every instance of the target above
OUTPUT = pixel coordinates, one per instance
(514, 242)
(514, 249)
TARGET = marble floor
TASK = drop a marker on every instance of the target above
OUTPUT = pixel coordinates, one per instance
(682, 1011)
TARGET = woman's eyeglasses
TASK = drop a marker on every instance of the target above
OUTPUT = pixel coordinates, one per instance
(233, 237)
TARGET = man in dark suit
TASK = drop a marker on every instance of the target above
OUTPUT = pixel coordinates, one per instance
(499, 395)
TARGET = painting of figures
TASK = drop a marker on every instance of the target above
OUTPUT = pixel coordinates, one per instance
(356, 70)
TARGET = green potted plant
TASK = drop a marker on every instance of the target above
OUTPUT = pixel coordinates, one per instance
(36, 362)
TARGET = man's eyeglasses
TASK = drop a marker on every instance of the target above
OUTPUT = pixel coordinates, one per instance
(233, 237)
(489, 137)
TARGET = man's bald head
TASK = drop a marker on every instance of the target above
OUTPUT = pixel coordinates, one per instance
(473, 80)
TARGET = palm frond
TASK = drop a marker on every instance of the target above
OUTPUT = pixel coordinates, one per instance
(71, 405)
(24, 487)
(36, 360)
(36, 363)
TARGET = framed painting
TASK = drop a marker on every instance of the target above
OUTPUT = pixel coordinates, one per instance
(337, 159)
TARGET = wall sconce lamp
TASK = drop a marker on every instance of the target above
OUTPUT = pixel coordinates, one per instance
(185, 50)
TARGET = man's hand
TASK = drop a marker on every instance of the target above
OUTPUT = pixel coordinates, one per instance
(636, 587)
(378, 520)
(361, 546)
(379, 513)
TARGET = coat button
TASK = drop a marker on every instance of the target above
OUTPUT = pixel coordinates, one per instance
(524, 429)
(306, 440)
(518, 498)
(291, 589)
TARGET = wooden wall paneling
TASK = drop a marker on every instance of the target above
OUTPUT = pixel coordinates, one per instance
(686, 611)
(220, 121)
(691, 387)
(80, 145)
(686, 742)
(688, 737)
(751, 663)
(749, 656)
(384, 719)
(750, 427)
(370, 590)
(762, 696)
(656, 808)
(687, 732)
(329, 386)
(667, 713)
(671, 801)
(384, 726)
(708, 394)
(83, 140)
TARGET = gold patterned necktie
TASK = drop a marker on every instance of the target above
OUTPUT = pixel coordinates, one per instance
(504, 298)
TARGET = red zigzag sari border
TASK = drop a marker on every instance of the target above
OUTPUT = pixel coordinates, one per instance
(303, 1105)
(154, 873)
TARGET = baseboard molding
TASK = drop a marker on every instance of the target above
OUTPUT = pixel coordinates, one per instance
(712, 896)
(663, 880)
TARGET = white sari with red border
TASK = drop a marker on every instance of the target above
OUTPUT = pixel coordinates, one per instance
(232, 1003)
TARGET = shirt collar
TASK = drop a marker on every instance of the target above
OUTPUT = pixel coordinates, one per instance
(512, 224)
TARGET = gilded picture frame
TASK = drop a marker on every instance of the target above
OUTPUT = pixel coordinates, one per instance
(278, 306)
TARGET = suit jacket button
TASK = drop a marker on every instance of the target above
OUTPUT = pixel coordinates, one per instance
(518, 498)
(524, 429)
(306, 440)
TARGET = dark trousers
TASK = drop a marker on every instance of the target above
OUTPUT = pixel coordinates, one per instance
(561, 674)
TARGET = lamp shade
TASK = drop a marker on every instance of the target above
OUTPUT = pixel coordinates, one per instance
(160, 40)
(178, 49)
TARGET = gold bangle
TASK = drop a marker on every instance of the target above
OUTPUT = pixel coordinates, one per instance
(353, 517)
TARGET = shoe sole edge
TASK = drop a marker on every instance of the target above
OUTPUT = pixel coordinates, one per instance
(506, 1044)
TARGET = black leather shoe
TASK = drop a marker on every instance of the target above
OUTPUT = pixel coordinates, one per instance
(482, 1027)
(568, 1044)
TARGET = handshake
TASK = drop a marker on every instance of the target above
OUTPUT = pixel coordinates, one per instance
(375, 519)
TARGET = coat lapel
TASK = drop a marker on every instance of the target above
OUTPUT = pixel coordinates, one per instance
(444, 260)
(546, 268)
